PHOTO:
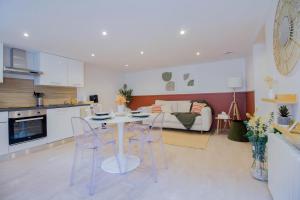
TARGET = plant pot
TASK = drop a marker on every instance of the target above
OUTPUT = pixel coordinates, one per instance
(283, 120)
(121, 108)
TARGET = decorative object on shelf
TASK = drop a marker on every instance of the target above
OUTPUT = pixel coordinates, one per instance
(191, 83)
(127, 93)
(284, 115)
(234, 83)
(295, 128)
(170, 86)
(257, 128)
(167, 76)
(186, 76)
(121, 101)
(270, 83)
(286, 36)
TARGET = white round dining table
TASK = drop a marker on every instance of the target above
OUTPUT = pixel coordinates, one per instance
(110, 164)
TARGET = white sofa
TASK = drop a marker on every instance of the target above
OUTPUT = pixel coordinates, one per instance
(202, 122)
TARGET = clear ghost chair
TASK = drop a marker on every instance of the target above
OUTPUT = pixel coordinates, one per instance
(87, 138)
(147, 135)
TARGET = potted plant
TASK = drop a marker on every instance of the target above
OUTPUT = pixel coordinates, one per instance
(127, 93)
(257, 128)
(284, 115)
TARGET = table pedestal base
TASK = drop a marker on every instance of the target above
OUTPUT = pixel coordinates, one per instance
(127, 162)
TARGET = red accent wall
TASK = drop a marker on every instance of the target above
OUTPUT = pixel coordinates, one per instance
(219, 101)
(250, 102)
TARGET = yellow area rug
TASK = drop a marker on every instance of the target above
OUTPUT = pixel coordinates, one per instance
(186, 139)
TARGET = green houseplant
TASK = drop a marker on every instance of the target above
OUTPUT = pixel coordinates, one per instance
(257, 128)
(284, 115)
(127, 93)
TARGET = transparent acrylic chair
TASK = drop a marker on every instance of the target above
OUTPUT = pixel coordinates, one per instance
(87, 138)
(148, 135)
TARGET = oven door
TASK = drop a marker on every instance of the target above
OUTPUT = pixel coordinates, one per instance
(27, 128)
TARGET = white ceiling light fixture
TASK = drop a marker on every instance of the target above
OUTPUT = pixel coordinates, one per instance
(93, 55)
(197, 53)
(104, 33)
(182, 32)
(126, 65)
(142, 52)
(26, 34)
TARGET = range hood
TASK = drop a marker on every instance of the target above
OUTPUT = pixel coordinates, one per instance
(18, 63)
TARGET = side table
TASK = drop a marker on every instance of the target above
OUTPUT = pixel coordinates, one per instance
(220, 120)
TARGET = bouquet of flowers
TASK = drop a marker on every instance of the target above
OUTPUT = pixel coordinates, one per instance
(120, 100)
(257, 128)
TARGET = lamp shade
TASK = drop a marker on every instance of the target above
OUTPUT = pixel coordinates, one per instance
(234, 82)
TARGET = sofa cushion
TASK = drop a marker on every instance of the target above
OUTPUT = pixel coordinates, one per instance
(172, 104)
(171, 118)
(197, 107)
(183, 106)
(167, 108)
(156, 108)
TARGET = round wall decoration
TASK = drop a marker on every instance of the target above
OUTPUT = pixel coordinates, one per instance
(286, 39)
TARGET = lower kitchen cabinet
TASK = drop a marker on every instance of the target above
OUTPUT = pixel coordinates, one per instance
(3, 133)
(59, 123)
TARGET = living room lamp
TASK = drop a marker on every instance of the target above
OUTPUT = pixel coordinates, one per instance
(234, 83)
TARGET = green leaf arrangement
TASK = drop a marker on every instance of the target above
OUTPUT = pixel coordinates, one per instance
(284, 111)
(127, 93)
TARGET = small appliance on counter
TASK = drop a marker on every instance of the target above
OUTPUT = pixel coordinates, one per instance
(39, 98)
(94, 98)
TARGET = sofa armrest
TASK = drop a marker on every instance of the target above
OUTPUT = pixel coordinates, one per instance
(206, 114)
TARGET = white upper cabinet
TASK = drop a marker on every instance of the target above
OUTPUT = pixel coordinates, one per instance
(59, 71)
(55, 70)
(1, 62)
(76, 73)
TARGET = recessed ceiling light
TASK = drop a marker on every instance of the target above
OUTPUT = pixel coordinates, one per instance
(104, 33)
(93, 55)
(142, 52)
(25, 34)
(182, 32)
(198, 53)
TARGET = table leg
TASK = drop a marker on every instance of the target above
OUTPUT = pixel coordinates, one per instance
(127, 162)
(218, 126)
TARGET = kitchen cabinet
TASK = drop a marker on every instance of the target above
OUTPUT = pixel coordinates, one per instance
(1, 62)
(59, 71)
(54, 69)
(3, 133)
(76, 73)
(59, 122)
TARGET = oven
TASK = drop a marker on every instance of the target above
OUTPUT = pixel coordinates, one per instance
(27, 125)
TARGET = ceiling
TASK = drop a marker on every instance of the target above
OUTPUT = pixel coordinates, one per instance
(72, 28)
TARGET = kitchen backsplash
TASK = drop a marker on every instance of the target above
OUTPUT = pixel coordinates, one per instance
(19, 93)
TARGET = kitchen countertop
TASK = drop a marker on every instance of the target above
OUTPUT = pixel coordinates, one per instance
(41, 107)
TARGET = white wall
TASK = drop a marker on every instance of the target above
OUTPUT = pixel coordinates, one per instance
(209, 78)
(285, 84)
(103, 82)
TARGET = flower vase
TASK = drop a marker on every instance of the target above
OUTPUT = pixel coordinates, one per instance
(271, 94)
(259, 166)
(121, 108)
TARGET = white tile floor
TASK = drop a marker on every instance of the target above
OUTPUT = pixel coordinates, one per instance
(219, 172)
